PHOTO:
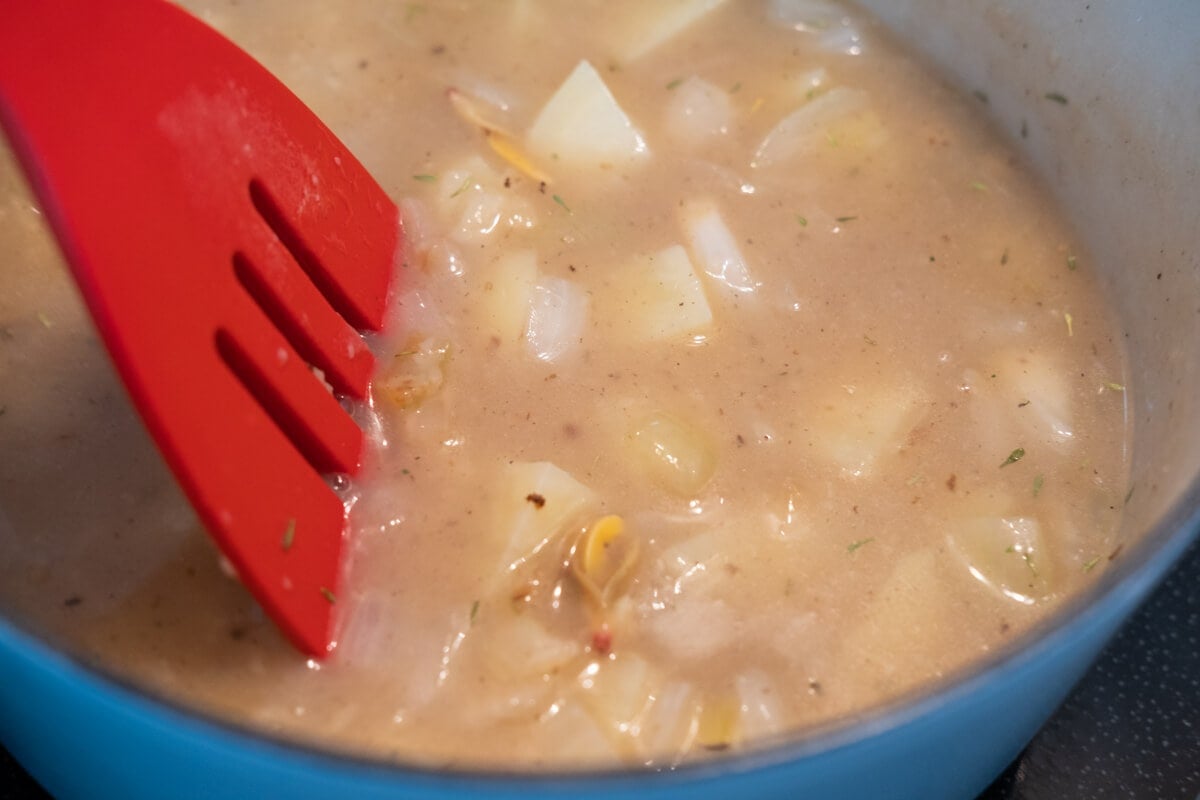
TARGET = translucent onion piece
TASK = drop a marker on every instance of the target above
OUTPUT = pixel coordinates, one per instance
(1006, 554)
(697, 111)
(828, 22)
(557, 315)
(582, 125)
(536, 502)
(759, 703)
(715, 248)
(839, 119)
(520, 649)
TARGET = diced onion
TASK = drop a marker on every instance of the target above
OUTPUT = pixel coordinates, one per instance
(840, 118)
(535, 504)
(697, 111)
(715, 248)
(828, 22)
(1006, 554)
(558, 312)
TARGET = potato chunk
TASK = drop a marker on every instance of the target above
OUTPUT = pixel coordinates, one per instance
(659, 297)
(678, 456)
(582, 125)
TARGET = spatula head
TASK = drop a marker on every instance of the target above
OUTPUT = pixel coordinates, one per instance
(228, 246)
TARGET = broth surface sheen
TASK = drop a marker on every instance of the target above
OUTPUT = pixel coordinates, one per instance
(740, 378)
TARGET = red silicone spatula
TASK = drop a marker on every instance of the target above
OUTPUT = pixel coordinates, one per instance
(227, 245)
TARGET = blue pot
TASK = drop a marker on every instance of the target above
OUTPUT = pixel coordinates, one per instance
(1124, 158)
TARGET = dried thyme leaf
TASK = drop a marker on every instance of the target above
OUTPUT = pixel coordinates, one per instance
(674, 84)
(466, 184)
(289, 535)
(1072, 263)
(425, 177)
(474, 611)
(1091, 563)
(563, 203)
(1038, 482)
(328, 595)
(1014, 457)
(850, 548)
(1056, 97)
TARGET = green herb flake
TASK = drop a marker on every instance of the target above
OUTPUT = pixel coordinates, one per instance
(474, 611)
(289, 535)
(1004, 257)
(425, 177)
(979, 186)
(1013, 457)
(1057, 97)
(850, 548)
(846, 219)
(1116, 387)
(412, 11)
(563, 203)
(45, 320)
(466, 184)
(1091, 563)
(914, 480)
(1067, 318)
(1072, 263)
(674, 84)
(735, 88)
(329, 596)
(869, 340)
(1038, 483)
(1129, 495)
(981, 96)
(803, 220)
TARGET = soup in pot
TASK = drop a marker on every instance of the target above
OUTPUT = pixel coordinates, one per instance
(739, 378)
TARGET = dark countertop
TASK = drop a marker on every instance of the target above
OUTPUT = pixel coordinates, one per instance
(1131, 729)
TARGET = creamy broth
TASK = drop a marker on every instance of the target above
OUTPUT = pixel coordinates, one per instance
(740, 378)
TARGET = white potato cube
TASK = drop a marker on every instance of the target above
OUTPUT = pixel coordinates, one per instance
(505, 291)
(659, 297)
(856, 427)
(582, 125)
